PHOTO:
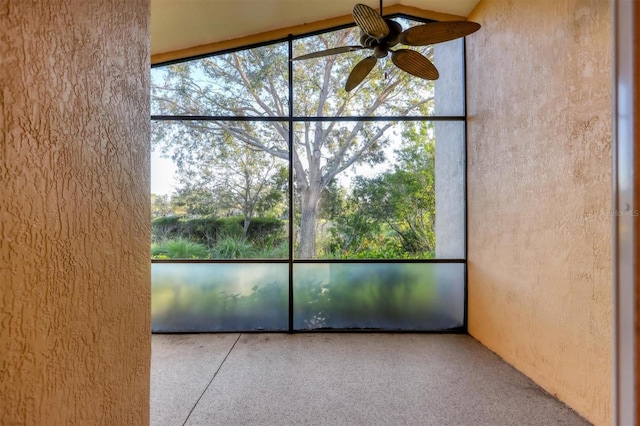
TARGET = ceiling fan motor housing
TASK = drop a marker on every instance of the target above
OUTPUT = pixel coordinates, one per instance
(389, 40)
(395, 30)
(380, 51)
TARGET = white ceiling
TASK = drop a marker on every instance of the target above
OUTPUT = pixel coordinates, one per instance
(181, 24)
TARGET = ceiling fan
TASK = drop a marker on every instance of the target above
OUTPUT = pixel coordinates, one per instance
(380, 35)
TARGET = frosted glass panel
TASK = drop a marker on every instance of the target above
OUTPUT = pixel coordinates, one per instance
(392, 296)
(449, 88)
(187, 297)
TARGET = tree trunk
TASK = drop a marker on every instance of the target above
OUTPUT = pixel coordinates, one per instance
(247, 213)
(245, 226)
(308, 214)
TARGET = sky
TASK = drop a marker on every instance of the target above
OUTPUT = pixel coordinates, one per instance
(162, 174)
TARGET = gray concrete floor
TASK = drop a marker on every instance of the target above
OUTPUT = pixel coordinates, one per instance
(341, 379)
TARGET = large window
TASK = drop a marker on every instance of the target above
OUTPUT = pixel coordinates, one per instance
(291, 204)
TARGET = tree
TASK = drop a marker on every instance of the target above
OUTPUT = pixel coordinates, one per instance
(253, 83)
(352, 228)
(402, 198)
(191, 200)
(160, 205)
(230, 179)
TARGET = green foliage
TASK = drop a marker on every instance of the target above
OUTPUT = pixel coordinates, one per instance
(166, 221)
(165, 227)
(160, 206)
(223, 238)
(332, 200)
(229, 227)
(266, 230)
(204, 229)
(392, 215)
(403, 202)
(273, 200)
(179, 248)
(194, 201)
(208, 230)
(274, 249)
(242, 166)
(231, 247)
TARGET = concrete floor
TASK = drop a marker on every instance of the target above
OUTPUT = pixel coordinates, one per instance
(341, 379)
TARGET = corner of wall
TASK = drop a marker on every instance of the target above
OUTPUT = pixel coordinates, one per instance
(539, 174)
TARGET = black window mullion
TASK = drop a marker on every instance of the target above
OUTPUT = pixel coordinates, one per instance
(464, 189)
(291, 189)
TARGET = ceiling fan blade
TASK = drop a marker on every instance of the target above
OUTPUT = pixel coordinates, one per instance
(370, 21)
(359, 72)
(437, 32)
(333, 51)
(415, 64)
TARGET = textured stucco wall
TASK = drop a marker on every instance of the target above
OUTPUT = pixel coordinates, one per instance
(74, 215)
(539, 188)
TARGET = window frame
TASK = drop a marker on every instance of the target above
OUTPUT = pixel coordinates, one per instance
(290, 119)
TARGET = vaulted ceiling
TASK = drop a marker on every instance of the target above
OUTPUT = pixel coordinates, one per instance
(182, 28)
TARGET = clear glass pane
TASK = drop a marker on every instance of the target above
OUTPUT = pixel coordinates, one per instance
(228, 195)
(391, 296)
(369, 190)
(319, 83)
(197, 297)
(251, 82)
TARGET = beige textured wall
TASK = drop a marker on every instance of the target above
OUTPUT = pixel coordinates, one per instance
(539, 187)
(74, 212)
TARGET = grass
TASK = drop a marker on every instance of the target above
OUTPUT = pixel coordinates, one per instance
(233, 247)
(179, 248)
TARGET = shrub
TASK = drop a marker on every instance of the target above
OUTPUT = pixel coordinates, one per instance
(210, 230)
(230, 227)
(265, 230)
(203, 230)
(165, 227)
